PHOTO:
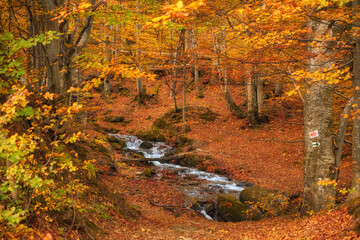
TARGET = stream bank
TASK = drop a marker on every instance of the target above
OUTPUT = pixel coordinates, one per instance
(201, 190)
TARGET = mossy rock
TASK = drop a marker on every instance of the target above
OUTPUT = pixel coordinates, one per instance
(231, 209)
(191, 160)
(196, 206)
(210, 208)
(161, 138)
(146, 135)
(146, 145)
(254, 194)
(137, 155)
(117, 146)
(182, 141)
(149, 172)
(116, 143)
(114, 119)
(266, 200)
(174, 116)
(161, 123)
(113, 139)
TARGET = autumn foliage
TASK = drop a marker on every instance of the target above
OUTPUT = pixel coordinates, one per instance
(64, 67)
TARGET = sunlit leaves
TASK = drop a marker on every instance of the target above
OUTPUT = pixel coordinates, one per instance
(178, 11)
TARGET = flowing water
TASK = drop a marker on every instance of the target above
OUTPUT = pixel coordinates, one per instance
(203, 186)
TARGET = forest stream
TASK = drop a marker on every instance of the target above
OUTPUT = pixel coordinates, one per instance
(203, 187)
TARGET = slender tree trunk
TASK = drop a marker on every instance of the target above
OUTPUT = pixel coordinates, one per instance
(184, 97)
(338, 141)
(319, 155)
(260, 97)
(277, 89)
(199, 90)
(191, 44)
(220, 50)
(252, 108)
(139, 82)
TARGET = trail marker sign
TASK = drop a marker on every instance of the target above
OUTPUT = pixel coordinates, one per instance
(314, 134)
(315, 144)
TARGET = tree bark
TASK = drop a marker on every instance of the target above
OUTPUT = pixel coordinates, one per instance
(338, 141)
(355, 185)
(252, 108)
(220, 50)
(60, 52)
(319, 155)
(139, 83)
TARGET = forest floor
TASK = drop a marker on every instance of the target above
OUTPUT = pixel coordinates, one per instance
(270, 156)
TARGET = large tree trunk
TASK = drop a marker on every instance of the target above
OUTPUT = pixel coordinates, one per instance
(319, 155)
(356, 122)
(52, 51)
(60, 52)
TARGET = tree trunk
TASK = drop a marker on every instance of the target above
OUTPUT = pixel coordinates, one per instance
(220, 50)
(52, 50)
(139, 83)
(252, 110)
(319, 155)
(192, 44)
(338, 141)
(355, 185)
(184, 97)
(60, 52)
(199, 90)
(277, 89)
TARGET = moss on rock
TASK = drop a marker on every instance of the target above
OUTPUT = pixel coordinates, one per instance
(267, 201)
(146, 135)
(146, 145)
(114, 119)
(149, 172)
(190, 160)
(182, 141)
(161, 123)
(161, 138)
(136, 155)
(231, 209)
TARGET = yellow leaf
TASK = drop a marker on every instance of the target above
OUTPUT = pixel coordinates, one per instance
(357, 88)
(346, 116)
(180, 4)
(157, 19)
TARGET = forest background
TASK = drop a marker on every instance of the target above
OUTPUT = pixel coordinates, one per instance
(286, 75)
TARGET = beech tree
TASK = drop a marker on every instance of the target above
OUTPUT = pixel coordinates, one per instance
(319, 156)
(61, 51)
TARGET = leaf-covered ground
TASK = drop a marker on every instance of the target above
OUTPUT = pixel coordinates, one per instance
(270, 156)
